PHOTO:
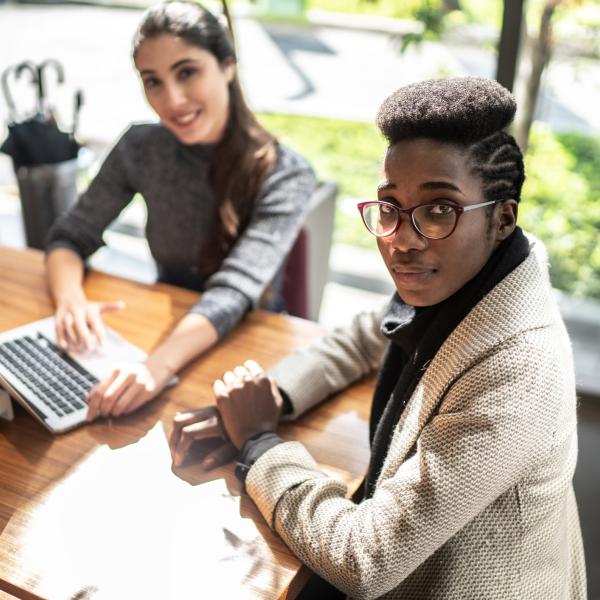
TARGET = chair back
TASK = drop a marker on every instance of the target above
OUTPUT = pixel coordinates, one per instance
(295, 290)
(307, 268)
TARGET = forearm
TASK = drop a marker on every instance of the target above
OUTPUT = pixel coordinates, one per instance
(64, 270)
(332, 363)
(192, 336)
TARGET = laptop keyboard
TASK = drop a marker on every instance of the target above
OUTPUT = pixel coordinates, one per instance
(56, 379)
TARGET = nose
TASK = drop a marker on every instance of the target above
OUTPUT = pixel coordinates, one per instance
(406, 238)
(174, 96)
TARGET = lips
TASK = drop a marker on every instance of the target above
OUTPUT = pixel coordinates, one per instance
(411, 276)
(185, 119)
(410, 269)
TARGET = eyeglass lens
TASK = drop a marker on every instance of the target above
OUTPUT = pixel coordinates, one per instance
(433, 221)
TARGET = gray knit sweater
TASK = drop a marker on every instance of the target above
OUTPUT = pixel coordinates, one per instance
(182, 212)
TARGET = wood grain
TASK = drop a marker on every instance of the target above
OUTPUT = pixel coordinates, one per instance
(100, 513)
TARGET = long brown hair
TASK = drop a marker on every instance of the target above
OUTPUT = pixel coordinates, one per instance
(247, 151)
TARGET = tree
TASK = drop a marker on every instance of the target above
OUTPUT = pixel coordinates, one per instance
(433, 16)
(541, 51)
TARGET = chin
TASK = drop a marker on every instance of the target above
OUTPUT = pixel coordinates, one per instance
(190, 139)
(420, 298)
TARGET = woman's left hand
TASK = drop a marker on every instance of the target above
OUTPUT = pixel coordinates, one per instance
(128, 387)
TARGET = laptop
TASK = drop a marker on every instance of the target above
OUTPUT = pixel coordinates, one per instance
(50, 383)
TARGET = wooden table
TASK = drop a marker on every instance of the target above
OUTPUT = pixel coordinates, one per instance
(99, 512)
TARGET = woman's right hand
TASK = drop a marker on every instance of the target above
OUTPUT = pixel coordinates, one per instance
(79, 325)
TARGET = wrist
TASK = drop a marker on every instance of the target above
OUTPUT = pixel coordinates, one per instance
(161, 370)
(70, 296)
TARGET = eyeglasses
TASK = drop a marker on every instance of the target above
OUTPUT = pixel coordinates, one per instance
(434, 221)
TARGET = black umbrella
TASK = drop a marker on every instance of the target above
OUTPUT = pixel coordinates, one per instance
(37, 140)
(44, 156)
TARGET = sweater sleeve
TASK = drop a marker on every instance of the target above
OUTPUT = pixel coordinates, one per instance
(81, 228)
(264, 245)
(332, 363)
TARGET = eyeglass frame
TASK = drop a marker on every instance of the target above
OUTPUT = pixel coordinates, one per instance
(458, 208)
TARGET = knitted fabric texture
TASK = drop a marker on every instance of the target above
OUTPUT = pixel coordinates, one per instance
(182, 211)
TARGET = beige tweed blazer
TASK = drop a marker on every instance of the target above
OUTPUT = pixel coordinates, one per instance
(475, 498)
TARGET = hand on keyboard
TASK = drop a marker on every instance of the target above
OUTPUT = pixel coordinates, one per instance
(126, 389)
(79, 325)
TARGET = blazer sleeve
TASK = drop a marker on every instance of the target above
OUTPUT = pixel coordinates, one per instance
(487, 434)
(332, 363)
(262, 248)
(82, 227)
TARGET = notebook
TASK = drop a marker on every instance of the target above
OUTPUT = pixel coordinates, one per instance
(52, 384)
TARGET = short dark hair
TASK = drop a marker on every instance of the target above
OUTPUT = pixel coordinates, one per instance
(470, 112)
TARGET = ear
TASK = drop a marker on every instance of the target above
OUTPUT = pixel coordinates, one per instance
(506, 218)
(229, 69)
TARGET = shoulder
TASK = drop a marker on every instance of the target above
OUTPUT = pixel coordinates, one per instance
(146, 135)
(142, 148)
(291, 179)
(290, 160)
(517, 322)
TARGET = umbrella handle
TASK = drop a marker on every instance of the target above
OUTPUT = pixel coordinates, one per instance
(76, 108)
(7, 95)
(60, 77)
(27, 65)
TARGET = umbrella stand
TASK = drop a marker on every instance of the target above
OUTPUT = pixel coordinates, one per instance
(46, 192)
(45, 158)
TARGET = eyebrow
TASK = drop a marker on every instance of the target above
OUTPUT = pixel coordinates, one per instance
(439, 185)
(173, 67)
(428, 185)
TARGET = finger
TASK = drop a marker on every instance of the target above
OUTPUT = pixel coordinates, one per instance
(96, 393)
(188, 417)
(219, 456)
(180, 420)
(193, 432)
(205, 429)
(97, 327)
(82, 331)
(106, 307)
(220, 389)
(60, 331)
(276, 393)
(231, 380)
(70, 336)
(133, 397)
(114, 391)
(253, 368)
(138, 401)
(242, 374)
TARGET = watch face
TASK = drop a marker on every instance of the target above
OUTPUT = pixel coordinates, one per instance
(241, 471)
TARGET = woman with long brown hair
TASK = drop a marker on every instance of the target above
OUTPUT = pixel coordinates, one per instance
(225, 203)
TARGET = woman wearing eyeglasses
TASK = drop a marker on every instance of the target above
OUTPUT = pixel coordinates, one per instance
(468, 493)
(225, 203)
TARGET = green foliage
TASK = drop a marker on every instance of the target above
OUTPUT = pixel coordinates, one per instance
(487, 13)
(561, 205)
(386, 8)
(561, 197)
(347, 152)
